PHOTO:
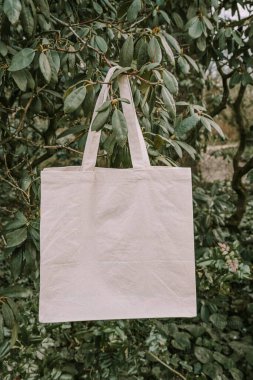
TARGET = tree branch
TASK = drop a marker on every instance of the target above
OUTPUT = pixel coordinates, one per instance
(225, 95)
(81, 39)
(237, 184)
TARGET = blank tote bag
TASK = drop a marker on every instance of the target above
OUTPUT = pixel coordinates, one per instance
(116, 243)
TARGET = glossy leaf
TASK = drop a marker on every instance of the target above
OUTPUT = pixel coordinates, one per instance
(101, 43)
(126, 53)
(196, 29)
(133, 10)
(20, 79)
(100, 119)
(119, 127)
(22, 59)
(16, 237)
(168, 50)
(12, 9)
(183, 64)
(154, 50)
(169, 102)
(45, 67)
(170, 82)
(74, 99)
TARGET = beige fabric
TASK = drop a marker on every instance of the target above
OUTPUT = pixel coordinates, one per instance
(116, 243)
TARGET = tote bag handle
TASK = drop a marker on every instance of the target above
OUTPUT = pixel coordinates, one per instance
(138, 151)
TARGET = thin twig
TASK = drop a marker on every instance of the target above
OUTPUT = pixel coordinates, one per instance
(15, 187)
(62, 147)
(167, 366)
(134, 73)
(68, 148)
(80, 39)
(22, 119)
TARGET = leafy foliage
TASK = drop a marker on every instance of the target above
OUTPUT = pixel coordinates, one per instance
(53, 59)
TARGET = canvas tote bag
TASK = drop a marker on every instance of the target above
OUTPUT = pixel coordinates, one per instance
(116, 243)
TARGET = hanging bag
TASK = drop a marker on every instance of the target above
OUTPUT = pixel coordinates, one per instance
(116, 243)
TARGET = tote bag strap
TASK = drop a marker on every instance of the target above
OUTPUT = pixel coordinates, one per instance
(138, 151)
(93, 138)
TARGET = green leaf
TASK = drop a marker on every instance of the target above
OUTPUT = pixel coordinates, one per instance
(235, 79)
(181, 341)
(247, 79)
(97, 7)
(119, 127)
(213, 370)
(16, 262)
(224, 360)
(3, 49)
(16, 237)
(142, 55)
(30, 80)
(45, 67)
(127, 52)
(154, 50)
(183, 65)
(170, 82)
(202, 354)
(188, 148)
(20, 79)
(194, 330)
(19, 221)
(178, 20)
(133, 10)
(218, 320)
(201, 43)
(72, 130)
(173, 42)
(104, 106)
(168, 50)
(208, 23)
(168, 101)
(14, 334)
(13, 307)
(236, 374)
(16, 292)
(56, 59)
(186, 125)
(109, 144)
(192, 62)
(165, 16)
(74, 99)
(237, 38)
(196, 29)
(148, 67)
(177, 148)
(205, 122)
(53, 67)
(89, 100)
(4, 348)
(12, 9)
(1, 328)
(124, 100)
(100, 119)
(7, 315)
(191, 22)
(22, 59)
(101, 44)
(120, 71)
(215, 126)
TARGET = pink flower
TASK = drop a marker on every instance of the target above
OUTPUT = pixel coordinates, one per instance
(233, 265)
(224, 248)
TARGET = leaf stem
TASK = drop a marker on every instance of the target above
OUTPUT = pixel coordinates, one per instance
(167, 366)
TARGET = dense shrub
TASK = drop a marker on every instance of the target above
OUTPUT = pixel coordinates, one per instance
(53, 58)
